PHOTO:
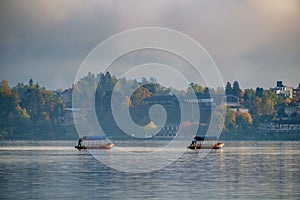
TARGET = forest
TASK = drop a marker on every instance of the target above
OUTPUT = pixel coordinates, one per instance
(29, 111)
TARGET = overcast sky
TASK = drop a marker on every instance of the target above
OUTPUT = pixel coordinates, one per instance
(255, 42)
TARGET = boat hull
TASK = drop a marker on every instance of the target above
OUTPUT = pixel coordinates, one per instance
(106, 146)
(207, 146)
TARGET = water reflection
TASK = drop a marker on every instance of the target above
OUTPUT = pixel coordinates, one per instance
(244, 170)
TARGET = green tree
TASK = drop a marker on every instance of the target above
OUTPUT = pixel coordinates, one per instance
(33, 103)
(228, 89)
(259, 92)
(195, 88)
(236, 91)
(206, 91)
(249, 95)
(31, 82)
(13, 119)
(268, 105)
(230, 120)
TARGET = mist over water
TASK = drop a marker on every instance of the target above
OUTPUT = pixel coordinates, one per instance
(244, 170)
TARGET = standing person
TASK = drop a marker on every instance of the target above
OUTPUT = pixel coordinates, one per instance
(79, 142)
(195, 144)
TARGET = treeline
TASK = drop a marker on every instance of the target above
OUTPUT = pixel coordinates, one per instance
(128, 94)
(264, 106)
(29, 111)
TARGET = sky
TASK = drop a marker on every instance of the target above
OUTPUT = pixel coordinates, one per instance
(255, 42)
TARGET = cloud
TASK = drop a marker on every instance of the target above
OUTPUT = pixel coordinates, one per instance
(255, 42)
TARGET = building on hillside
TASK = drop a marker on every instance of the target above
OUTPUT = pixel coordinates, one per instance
(66, 96)
(292, 111)
(297, 92)
(190, 104)
(205, 102)
(169, 130)
(69, 115)
(167, 101)
(281, 126)
(234, 104)
(283, 90)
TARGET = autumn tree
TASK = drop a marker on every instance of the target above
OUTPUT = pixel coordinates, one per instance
(244, 121)
(14, 119)
(140, 94)
(196, 88)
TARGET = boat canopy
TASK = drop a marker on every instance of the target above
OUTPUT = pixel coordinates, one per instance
(204, 137)
(94, 137)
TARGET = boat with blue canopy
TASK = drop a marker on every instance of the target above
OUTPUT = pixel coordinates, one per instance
(93, 142)
(205, 142)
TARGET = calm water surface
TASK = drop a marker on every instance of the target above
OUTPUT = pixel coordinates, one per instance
(242, 170)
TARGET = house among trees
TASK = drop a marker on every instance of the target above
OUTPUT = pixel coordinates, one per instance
(66, 96)
(169, 130)
(69, 115)
(293, 110)
(29, 111)
(167, 100)
(234, 104)
(283, 90)
(297, 92)
(171, 103)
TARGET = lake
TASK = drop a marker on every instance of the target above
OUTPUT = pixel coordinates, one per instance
(242, 170)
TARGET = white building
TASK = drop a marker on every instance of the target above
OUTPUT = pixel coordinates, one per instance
(283, 90)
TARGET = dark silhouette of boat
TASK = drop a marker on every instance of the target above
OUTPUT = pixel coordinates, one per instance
(205, 142)
(93, 142)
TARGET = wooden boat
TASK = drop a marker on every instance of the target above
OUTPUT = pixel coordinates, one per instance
(205, 142)
(93, 142)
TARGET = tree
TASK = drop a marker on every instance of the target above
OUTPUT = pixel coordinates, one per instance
(216, 122)
(228, 89)
(262, 106)
(33, 102)
(243, 120)
(14, 119)
(244, 124)
(196, 88)
(230, 120)
(259, 92)
(30, 82)
(206, 91)
(268, 105)
(139, 95)
(144, 81)
(236, 91)
(256, 109)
